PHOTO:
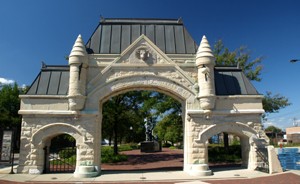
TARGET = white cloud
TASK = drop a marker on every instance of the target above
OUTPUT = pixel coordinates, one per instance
(6, 81)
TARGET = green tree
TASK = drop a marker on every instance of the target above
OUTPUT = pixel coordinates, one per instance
(273, 103)
(119, 114)
(9, 107)
(239, 57)
(273, 129)
(170, 127)
(129, 110)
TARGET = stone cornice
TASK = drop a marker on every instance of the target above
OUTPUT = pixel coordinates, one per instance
(240, 96)
(224, 112)
(58, 112)
(44, 96)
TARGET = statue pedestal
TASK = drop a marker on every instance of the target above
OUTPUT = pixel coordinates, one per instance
(150, 146)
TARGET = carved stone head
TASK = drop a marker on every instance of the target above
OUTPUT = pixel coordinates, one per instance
(142, 54)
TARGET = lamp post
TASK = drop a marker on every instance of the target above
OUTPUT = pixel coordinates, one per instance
(131, 132)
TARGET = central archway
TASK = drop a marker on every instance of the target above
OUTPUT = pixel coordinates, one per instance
(130, 83)
(125, 117)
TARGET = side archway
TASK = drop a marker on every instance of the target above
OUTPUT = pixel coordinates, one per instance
(243, 131)
(41, 140)
(55, 129)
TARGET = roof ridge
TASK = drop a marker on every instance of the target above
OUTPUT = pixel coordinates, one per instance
(140, 20)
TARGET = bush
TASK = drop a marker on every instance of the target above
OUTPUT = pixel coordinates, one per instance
(166, 145)
(108, 156)
(67, 153)
(220, 154)
(124, 147)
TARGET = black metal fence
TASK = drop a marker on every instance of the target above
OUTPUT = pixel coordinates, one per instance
(262, 159)
(60, 160)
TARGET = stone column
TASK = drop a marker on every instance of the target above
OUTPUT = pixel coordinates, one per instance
(87, 161)
(196, 162)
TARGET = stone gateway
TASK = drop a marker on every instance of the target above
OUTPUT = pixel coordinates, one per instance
(140, 54)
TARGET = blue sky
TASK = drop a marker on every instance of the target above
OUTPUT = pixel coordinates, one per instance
(35, 31)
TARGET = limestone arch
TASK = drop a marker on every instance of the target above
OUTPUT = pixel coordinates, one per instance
(52, 130)
(139, 82)
(43, 136)
(237, 128)
(243, 131)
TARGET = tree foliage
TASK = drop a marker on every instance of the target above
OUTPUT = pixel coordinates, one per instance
(273, 129)
(273, 103)
(9, 106)
(129, 110)
(239, 57)
(119, 114)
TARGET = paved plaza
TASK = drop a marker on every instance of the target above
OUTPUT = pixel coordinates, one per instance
(153, 170)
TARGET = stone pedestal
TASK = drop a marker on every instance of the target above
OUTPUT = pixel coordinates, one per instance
(150, 146)
(200, 170)
(86, 171)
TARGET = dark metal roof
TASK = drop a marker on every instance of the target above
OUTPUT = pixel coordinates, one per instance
(112, 36)
(52, 80)
(232, 81)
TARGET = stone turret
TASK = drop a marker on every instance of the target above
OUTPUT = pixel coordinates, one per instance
(205, 62)
(78, 61)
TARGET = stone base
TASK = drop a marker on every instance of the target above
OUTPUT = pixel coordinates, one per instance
(200, 170)
(150, 146)
(86, 171)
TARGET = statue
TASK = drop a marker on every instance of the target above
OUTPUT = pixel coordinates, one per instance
(149, 127)
(151, 143)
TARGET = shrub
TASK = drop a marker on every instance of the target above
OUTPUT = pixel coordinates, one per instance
(67, 153)
(220, 154)
(108, 156)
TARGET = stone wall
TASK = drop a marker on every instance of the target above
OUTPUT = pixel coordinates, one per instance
(38, 130)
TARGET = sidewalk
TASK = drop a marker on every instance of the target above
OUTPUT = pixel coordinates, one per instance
(139, 176)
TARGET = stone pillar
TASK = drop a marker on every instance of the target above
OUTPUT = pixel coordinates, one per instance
(87, 161)
(205, 62)
(196, 153)
(78, 61)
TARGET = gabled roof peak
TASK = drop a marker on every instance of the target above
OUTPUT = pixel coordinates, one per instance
(114, 35)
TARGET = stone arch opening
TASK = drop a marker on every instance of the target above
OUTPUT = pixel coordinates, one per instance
(146, 83)
(161, 152)
(41, 142)
(239, 129)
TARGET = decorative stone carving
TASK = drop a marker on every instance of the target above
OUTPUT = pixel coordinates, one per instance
(142, 53)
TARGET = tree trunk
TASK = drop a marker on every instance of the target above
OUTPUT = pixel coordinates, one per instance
(115, 138)
(225, 138)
